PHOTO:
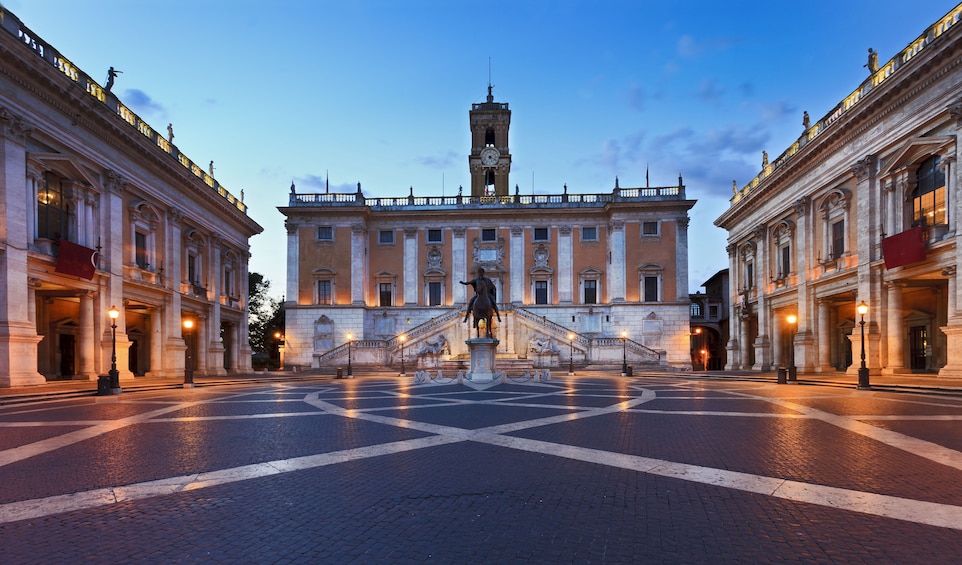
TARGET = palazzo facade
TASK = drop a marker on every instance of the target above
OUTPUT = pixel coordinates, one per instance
(591, 278)
(98, 210)
(863, 207)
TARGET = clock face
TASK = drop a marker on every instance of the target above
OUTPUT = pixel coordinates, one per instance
(489, 157)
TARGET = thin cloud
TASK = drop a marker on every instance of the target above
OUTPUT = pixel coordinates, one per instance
(710, 91)
(442, 162)
(635, 96)
(142, 103)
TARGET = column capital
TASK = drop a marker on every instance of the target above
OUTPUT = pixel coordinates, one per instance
(12, 127)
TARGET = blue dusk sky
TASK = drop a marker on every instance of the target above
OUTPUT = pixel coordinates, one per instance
(378, 91)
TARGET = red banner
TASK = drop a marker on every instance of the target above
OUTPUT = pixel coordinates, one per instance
(904, 248)
(76, 260)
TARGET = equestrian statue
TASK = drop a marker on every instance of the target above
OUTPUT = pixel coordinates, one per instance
(484, 304)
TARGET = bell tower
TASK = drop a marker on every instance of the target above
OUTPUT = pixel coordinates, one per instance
(490, 159)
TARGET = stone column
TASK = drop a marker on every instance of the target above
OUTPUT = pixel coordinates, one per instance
(825, 336)
(459, 265)
(762, 344)
(734, 311)
(681, 259)
(618, 258)
(411, 278)
(293, 262)
(213, 348)
(18, 335)
(869, 284)
(359, 282)
(203, 336)
(156, 344)
(779, 326)
(565, 266)
(175, 347)
(745, 343)
(896, 332)
(88, 341)
(516, 276)
(242, 345)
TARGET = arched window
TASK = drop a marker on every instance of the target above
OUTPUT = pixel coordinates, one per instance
(489, 137)
(928, 198)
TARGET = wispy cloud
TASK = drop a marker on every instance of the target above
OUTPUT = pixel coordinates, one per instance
(441, 162)
(141, 103)
(710, 91)
(635, 97)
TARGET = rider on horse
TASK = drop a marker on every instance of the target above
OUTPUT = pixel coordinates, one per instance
(482, 284)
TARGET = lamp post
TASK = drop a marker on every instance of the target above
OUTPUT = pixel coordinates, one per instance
(279, 343)
(571, 353)
(792, 370)
(862, 309)
(350, 338)
(624, 353)
(696, 343)
(402, 337)
(113, 313)
(188, 361)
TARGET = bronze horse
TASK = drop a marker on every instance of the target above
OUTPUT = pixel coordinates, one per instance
(483, 309)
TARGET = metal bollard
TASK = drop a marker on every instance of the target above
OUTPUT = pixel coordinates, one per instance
(782, 376)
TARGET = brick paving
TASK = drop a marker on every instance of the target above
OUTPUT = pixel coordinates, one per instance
(588, 469)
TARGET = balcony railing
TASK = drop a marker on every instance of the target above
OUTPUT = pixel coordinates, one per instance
(646, 194)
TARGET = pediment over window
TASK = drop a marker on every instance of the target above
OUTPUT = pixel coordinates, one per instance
(65, 165)
(915, 151)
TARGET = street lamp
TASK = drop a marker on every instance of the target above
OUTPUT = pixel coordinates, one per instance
(571, 353)
(862, 309)
(694, 345)
(792, 370)
(279, 343)
(402, 337)
(624, 353)
(350, 338)
(113, 313)
(188, 361)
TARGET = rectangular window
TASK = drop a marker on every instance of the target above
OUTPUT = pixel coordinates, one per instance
(386, 237)
(713, 311)
(324, 295)
(192, 269)
(51, 209)
(651, 289)
(541, 234)
(649, 228)
(140, 244)
(325, 233)
(228, 289)
(838, 239)
(591, 291)
(786, 261)
(434, 294)
(385, 293)
(589, 233)
(749, 276)
(540, 292)
(434, 236)
(489, 234)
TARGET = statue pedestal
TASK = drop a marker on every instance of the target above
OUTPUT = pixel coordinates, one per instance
(482, 351)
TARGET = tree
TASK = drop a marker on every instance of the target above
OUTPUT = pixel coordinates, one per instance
(265, 314)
